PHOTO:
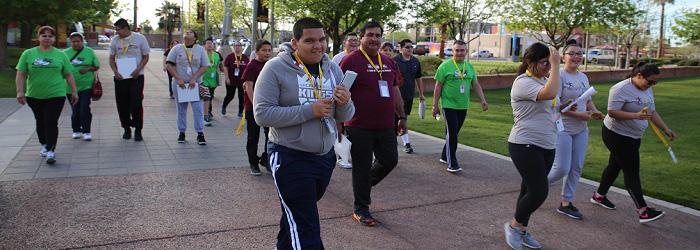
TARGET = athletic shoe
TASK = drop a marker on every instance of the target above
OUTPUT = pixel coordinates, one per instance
(200, 139)
(344, 164)
(365, 220)
(529, 241)
(76, 135)
(454, 170)
(43, 151)
(127, 134)
(87, 137)
(408, 149)
(50, 157)
(181, 138)
(223, 112)
(443, 161)
(650, 214)
(240, 114)
(570, 211)
(137, 135)
(262, 160)
(255, 170)
(513, 237)
(602, 201)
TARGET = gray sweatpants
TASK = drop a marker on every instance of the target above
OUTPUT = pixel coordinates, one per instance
(197, 114)
(568, 161)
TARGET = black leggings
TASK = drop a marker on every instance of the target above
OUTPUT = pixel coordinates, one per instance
(46, 113)
(624, 155)
(230, 93)
(253, 139)
(170, 83)
(533, 164)
(454, 119)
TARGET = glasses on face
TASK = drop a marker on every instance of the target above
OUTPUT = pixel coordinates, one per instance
(408, 47)
(651, 82)
(574, 54)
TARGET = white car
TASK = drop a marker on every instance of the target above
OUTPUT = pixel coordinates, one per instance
(103, 39)
(483, 53)
(600, 55)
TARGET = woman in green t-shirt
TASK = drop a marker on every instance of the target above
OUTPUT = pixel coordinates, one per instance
(85, 66)
(211, 77)
(45, 70)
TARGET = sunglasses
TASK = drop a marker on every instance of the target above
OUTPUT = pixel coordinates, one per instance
(652, 82)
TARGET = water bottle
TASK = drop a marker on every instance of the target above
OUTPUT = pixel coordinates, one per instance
(437, 117)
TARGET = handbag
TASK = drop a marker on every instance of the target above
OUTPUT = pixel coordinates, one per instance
(96, 88)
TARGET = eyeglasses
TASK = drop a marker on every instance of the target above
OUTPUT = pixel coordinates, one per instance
(407, 47)
(574, 54)
(651, 82)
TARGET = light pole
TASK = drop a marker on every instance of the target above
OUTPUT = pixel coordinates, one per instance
(135, 21)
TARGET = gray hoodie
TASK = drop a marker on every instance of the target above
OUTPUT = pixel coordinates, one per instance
(282, 100)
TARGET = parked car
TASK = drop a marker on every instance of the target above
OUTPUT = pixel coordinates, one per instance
(420, 49)
(600, 55)
(103, 39)
(483, 53)
(448, 52)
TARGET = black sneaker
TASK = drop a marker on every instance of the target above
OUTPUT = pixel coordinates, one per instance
(255, 170)
(650, 214)
(570, 211)
(364, 219)
(408, 149)
(240, 114)
(200, 139)
(603, 202)
(137, 135)
(264, 163)
(181, 138)
(127, 134)
(223, 112)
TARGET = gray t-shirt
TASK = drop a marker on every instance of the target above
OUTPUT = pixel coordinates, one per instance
(135, 46)
(625, 96)
(178, 56)
(339, 57)
(534, 120)
(573, 86)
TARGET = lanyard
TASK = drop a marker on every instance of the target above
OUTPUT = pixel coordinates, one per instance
(317, 92)
(379, 58)
(463, 71)
(188, 53)
(125, 49)
(211, 59)
(238, 60)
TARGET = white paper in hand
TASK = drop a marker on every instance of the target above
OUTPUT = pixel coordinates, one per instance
(589, 92)
(126, 66)
(348, 79)
(421, 109)
(187, 94)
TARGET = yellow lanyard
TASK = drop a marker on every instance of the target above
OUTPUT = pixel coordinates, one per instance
(238, 60)
(188, 53)
(211, 59)
(379, 58)
(463, 71)
(317, 92)
(125, 49)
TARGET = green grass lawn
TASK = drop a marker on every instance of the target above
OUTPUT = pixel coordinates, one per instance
(661, 178)
(7, 76)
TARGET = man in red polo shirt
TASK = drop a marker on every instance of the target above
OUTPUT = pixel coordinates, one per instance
(377, 98)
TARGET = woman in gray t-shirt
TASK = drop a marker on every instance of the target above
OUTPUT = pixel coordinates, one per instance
(630, 109)
(532, 138)
(572, 141)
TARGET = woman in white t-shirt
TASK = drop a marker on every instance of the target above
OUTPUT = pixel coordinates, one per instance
(572, 141)
(531, 142)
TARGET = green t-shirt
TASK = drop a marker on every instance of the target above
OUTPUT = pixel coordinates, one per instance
(211, 76)
(45, 72)
(455, 89)
(85, 58)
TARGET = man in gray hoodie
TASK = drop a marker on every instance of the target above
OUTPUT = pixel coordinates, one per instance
(299, 96)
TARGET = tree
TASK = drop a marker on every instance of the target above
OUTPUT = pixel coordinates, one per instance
(627, 20)
(340, 17)
(688, 27)
(146, 27)
(167, 13)
(661, 26)
(438, 12)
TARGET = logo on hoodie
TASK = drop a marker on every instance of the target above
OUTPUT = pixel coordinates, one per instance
(306, 90)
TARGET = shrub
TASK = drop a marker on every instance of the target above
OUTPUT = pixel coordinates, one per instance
(429, 64)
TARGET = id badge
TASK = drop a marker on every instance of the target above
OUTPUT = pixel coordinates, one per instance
(461, 89)
(329, 126)
(213, 75)
(383, 88)
(189, 71)
(560, 125)
(235, 72)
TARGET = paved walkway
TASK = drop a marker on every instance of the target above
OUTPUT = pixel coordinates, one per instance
(114, 193)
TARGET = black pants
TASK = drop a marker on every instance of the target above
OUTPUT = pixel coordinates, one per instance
(129, 95)
(211, 99)
(407, 105)
(301, 179)
(46, 113)
(624, 155)
(230, 93)
(367, 142)
(454, 119)
(170, 83)
(533, 164)
(81, 118)
(251, 146)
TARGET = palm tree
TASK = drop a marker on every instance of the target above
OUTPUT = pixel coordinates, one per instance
(661, 29)
(166, 12)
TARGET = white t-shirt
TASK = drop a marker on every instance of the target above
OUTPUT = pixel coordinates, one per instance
(625, 96)
(338, 58)
(572, 86)
(534, 120)
(137, 47)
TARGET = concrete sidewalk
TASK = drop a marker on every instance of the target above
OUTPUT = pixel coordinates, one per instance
(160, 194)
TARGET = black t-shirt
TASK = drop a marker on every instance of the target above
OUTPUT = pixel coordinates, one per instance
(410, 70)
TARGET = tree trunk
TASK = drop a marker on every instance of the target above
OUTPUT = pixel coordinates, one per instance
(3, 46)
(628, 49)
(443, 34)
(661, 32)
(25, 35)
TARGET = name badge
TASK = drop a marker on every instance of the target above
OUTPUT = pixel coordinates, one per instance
(235, 72)
(213, 74)
(461, 89)
(383, 88)
(560, 125)
(189, 70)
(330, 126)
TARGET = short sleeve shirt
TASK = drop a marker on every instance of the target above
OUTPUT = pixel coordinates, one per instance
(251, 73)
(534, 120)
(134, 46)
(410, 70)
(372, 111)
(232, 63)
(456, 87)
(179, 57)
(338, 58)
(211, 76)
(45, 72)
(572, 86)
(84, 58)
(625, 96)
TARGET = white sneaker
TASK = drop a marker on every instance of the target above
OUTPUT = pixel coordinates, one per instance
(50, 157)
(76, 135)
(87, 137)
(344, 164)
(43, 151)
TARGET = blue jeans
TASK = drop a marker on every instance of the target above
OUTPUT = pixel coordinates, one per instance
(81, 117)
(568, 161)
